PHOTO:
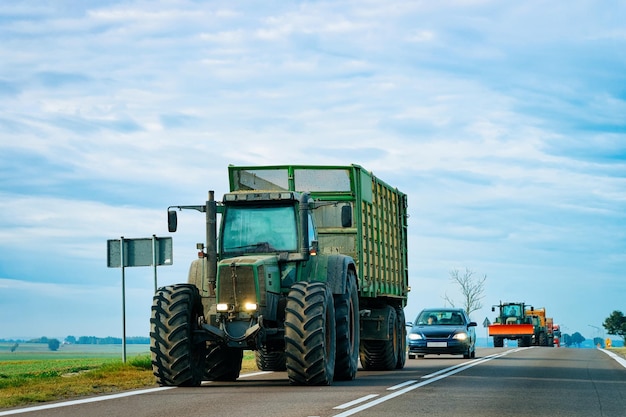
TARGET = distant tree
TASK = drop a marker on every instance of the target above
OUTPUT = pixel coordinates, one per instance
(53, 344)
(87, 340)
(616, 324)
(472, 289)
(577, 339)
(71, 340)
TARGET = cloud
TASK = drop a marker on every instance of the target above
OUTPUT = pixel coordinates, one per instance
(502, 122)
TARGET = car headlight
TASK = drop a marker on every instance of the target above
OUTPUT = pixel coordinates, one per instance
(460, 336)
(415, 336)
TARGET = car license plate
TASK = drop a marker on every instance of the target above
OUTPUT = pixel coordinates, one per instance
(437, 344)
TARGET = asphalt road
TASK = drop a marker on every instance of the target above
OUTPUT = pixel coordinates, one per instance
(499, 382)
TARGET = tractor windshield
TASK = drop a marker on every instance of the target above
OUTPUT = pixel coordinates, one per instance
(513, 310)
(259, 229)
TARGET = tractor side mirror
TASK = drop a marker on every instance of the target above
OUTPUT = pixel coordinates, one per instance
(172, 221)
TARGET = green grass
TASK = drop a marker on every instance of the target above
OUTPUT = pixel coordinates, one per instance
(33, 374)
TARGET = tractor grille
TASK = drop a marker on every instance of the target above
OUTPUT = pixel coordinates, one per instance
(245, 285)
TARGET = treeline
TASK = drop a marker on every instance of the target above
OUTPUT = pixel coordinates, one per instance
(85, 340)
(93, 340)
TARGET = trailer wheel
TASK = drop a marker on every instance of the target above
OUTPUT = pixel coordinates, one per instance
(310, 344)
(270, 360)
(401, 338)
(176, 359)
(381, 355)
(498, 341)
(222, 363)
(347, 324)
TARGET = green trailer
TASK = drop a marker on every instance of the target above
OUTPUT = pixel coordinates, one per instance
(309, 270)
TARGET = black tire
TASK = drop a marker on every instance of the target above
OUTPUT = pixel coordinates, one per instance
(347, 328)
(270, 361)
(222, 363)
(381, 355)
(543, 339)
(310, 344)
(498, 341)
(524, 341)
(468, 354)
(176, 359)
(401, 338)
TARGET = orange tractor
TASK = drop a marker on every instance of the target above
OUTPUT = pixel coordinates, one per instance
(513, 324)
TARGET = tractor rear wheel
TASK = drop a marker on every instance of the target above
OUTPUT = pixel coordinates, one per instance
(270, 360)
(524, 341)
(222, 363)
(347, 319)
(401, 338)
(310, 344)
(176, 359)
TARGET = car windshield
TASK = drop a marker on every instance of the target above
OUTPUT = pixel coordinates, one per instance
(443, 317)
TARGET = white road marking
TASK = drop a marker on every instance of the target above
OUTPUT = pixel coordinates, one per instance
(451, 371)
(355, 402)
(101, 398)
(443, 371)
(619, 359)
(404, 384)
(83, 401)
(203, 383)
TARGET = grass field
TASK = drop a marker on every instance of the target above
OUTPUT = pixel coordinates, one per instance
(34, 374)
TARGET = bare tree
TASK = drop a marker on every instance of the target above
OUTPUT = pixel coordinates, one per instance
(472, 289)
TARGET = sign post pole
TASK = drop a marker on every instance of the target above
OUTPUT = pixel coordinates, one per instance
(123, 300)
(154, 260)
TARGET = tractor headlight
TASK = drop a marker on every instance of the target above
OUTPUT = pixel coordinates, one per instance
(222, 307)
(250, 306)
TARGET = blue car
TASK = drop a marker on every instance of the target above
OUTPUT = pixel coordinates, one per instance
(439, 331)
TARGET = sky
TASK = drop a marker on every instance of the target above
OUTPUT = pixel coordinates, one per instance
(503, 122)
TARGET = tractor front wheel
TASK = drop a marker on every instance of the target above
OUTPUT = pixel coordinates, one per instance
(310, 339)
(176, 359)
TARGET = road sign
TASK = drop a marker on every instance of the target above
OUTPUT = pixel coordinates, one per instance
(486, 322)
(154, 251)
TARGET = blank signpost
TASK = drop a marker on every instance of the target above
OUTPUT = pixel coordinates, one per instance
(122, 253)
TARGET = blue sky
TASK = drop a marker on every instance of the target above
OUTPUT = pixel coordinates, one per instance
(504, 122)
